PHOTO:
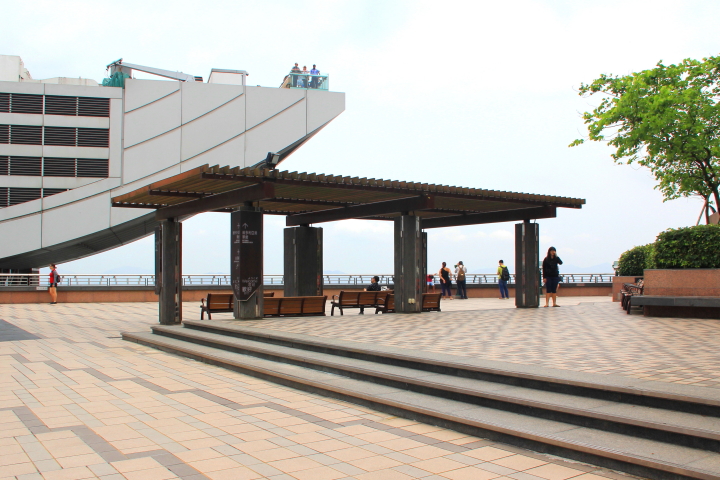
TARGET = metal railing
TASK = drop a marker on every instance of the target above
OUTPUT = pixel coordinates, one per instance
(148, 280)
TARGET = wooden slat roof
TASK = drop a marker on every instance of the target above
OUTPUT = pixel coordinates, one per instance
(299, 192)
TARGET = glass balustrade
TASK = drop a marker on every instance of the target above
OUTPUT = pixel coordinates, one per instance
(306, 81)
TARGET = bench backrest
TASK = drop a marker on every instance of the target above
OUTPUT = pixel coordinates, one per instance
(218, 301)
(348, 298)
(314, 305)
(271, 306)
(372, 298)
(431, 300)
(294, 305)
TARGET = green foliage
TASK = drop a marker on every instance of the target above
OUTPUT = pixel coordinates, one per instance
(634, 261)
(691, 247)
(666, 119)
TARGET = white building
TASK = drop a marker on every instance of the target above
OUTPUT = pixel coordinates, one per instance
(67, 145)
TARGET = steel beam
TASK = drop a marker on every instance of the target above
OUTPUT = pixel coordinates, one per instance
(359, 211)
(491, 217)
(232, 198)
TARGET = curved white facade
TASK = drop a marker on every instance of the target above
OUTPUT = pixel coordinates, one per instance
(157, 129)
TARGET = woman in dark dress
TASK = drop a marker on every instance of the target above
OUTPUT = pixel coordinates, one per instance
(445, 283)
(551, 276)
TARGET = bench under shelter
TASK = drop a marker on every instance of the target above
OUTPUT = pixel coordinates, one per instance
(307, 200)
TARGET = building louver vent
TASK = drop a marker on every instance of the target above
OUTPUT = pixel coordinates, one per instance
(10, 196)
(24, 166)
(64, 136)
(20, 103)
(77, 106)
(93, 137)
(53, 191)
(91, 167)
(21, 134)
(54, 167)
(59, 167)
(57, 105)
(18, 195)
(4, 103)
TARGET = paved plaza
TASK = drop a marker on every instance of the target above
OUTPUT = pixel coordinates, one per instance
(78, 402)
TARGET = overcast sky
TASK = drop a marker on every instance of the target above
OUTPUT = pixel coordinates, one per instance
(477, 94)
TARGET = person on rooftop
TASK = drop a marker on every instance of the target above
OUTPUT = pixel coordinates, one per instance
(314, 72)
(295, 70)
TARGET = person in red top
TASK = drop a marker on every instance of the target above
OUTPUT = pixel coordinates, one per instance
(54, 280)
(431, 282)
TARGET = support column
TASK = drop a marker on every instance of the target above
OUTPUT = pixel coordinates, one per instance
(170, 252)
(303, 261)
(423, 257)
(246, 256)
(408, 264)
(527, 273)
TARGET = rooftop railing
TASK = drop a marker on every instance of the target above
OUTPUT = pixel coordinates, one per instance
(306, 81)
(148, 280)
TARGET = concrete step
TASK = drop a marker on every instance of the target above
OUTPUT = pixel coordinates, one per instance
(666, 396)
(679, 428)
(640, 456)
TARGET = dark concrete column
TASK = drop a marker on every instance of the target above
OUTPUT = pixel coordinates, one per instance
(408, 264)
(303, 261)
(527, 273)
(170, 251)
(423, 257)
(246, 257)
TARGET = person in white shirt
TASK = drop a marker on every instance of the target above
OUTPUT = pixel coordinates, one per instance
(460, 271)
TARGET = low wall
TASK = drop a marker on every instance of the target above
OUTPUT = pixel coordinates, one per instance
(618, 283)
(194, 293)
(691, 282)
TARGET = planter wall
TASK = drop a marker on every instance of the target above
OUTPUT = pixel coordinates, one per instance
(695, 282)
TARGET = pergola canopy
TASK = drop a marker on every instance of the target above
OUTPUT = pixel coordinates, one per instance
(309, 198)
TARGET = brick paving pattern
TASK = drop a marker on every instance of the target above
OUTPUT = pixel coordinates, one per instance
(77, 402)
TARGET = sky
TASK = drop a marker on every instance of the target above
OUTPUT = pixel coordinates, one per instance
(476, 94)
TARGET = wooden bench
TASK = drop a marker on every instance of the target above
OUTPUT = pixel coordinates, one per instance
(294, 306)
(361, 300)
(430, 303)
(630, 290)
(220, 303)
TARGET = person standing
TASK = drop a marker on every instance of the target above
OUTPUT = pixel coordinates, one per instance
(373, 287)
(445, 282)
(54, 280)
(460, 271)
(503, 278)
(551, 276)
(294, 71)
(314, 72)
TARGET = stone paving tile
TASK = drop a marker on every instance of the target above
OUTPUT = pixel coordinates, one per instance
(77, 402)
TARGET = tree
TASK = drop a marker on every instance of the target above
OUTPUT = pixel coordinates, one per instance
(666, 119)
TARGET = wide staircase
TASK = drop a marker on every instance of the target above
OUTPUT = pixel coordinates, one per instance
(661, 431)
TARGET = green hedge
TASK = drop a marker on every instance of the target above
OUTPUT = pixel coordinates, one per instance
(691, 247)
(634, 261)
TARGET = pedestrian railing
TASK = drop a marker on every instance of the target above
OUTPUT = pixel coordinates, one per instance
(148, 280)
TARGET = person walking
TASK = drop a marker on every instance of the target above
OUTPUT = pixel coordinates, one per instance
(503, 278)
(460, 271)
(445, 282)
(54, 280)
(551, 276)
(373, 287)
(314, 81)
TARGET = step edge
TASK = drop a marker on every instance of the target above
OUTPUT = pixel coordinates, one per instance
(548, 439)
(638, 391)
(674, 428)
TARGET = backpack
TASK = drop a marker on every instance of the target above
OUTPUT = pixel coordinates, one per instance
(505, 274)
(460, 276)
